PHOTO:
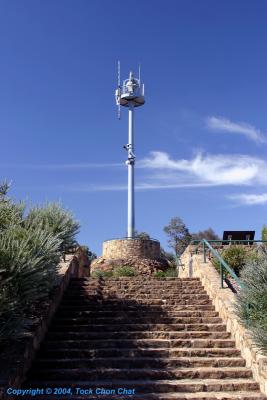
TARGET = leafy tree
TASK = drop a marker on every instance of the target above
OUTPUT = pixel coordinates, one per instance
(252, 300)
(170, 257)
(141, 235)
(178, 234)
(207, 234)
(91, 256)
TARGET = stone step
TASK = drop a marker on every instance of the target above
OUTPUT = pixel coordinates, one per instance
(176, 289)
(137, 320)
(132, 295)
(81, 292)
(133, 307)
(157, 352)
(67, 359)
(136, 284)
(134, 314)
(137, 335)
(171, 396)
(141, 279)
(151, 284)
(157, 386)
(161, 338)
(90, 302)
(139, 296)
(138, 327)
(137, 343)
(142, 373)
(142, 320)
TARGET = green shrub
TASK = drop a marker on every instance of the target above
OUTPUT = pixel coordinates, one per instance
(236, 257)
(252, 300)
(102, 274)
(264, 233)
(125, 270)
(159, 274)
(169, 273)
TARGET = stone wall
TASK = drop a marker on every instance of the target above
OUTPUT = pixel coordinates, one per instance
(126, 248)
(224, 301)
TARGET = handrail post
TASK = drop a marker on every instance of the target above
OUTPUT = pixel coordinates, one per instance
(221, 274)
(204, 252)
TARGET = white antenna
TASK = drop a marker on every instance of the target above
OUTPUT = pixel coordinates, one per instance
(130, 95)
(118, 92)
(139, 70)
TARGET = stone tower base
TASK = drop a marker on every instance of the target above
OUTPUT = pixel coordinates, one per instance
(141, 254)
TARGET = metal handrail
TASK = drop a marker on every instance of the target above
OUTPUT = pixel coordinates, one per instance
(223, 263)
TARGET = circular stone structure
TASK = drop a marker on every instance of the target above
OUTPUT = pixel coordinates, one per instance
(128, 247)
(143, 255)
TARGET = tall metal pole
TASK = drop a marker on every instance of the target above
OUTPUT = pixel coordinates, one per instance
(131, 162)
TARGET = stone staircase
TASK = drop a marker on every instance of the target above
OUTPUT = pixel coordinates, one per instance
(154, 339)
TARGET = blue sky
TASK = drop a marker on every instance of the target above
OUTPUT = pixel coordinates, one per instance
(201, 137)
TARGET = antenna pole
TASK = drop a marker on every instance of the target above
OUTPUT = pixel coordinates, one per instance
(130, 95)
(119, 89)
(131, 162)
(119, 74)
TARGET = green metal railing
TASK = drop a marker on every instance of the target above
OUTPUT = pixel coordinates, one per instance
(223, 264)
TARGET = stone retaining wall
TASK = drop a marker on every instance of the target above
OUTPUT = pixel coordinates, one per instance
(224, 302)
(126, 248)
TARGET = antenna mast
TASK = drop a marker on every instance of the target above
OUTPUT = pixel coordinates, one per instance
(130, 95)
(119, 90)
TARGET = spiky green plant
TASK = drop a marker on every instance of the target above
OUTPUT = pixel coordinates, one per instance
(54, 219)
(30, 250)
(28, 262)
(10, 214)
(252, 300)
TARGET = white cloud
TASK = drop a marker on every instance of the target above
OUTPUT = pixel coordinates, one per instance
(138, 186)
(160, 171)
(223, 124)
(250, 199)
(209, 169)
